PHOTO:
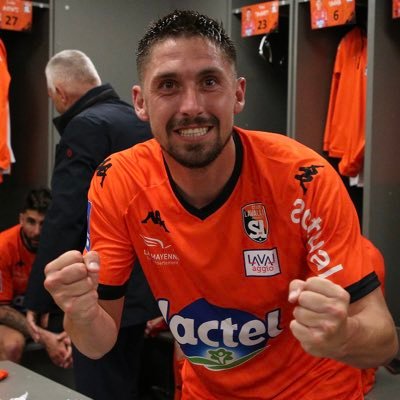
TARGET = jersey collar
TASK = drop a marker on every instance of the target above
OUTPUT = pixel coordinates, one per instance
(219, 201)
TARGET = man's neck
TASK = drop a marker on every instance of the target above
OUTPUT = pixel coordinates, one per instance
(200, 186)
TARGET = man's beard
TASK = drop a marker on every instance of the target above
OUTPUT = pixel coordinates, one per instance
(28, 242)
(196, 155)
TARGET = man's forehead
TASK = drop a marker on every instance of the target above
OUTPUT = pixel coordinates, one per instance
(177, 41)
(29, 213)
(194, 48)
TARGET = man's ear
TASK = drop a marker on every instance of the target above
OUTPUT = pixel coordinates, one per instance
(139, 103)
(21, 218)
(240, 95)
(62, 95)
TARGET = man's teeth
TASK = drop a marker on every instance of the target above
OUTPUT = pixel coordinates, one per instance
(193, 132)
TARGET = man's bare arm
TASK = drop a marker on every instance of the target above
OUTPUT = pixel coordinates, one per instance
(361, 334)
(13, 319)
(92, 325)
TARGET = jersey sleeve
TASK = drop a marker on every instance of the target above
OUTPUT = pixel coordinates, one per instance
(107, 231)
(331, 232)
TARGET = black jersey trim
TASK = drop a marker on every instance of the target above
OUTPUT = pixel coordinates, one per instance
(204, 212)
(363, 287)
(107, 292)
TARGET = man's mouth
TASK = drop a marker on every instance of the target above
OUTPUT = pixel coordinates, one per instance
(193, 132)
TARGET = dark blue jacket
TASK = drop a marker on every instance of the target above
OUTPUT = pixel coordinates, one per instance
(97, 125)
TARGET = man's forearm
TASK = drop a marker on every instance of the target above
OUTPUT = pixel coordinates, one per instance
(373, 339)
(93, 339)
(14, 319)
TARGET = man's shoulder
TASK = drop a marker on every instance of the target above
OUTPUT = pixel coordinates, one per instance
(274, 143)
(112, 108)
(9, 240)
(10, 233)
(138, 164)
(141, 155)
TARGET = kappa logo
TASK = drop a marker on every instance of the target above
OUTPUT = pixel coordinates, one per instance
(155, 217)
(102, 170)
(307, 175)
(255, 222)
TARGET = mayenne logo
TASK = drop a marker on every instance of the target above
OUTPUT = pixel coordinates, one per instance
(158, 252)
(307, 175)
(152, 242)
(155, 217)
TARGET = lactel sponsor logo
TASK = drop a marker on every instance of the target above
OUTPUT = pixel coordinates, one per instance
(261, 262)
(220, 338)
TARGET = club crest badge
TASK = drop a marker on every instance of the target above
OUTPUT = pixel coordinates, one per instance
(255, 222)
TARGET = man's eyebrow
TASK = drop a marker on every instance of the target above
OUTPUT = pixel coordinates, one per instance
(172, 75)
(165, 75)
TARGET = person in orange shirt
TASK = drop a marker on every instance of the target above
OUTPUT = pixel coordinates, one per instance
(248, 25)
(18, 247)
(249, 240)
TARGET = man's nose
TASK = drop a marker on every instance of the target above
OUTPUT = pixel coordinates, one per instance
(36, 229)
(191, 102)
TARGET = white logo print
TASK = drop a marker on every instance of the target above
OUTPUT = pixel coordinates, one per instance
(152, 242)
(157, 252)
(313, 226)
(261, 262)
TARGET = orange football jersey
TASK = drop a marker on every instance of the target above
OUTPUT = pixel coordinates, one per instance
(15, 266)
(345, 125)
(221, 274)
(5, 156)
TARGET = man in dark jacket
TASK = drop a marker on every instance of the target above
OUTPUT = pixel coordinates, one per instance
(94, 123)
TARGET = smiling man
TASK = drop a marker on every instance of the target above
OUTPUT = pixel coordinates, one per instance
(248, 239)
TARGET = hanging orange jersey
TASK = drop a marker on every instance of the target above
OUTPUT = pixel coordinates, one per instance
(345, 126)
(221, 274)
(5, 156)
(15, 266)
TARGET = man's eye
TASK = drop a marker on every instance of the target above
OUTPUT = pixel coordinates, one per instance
(167, 85)
(210, 82)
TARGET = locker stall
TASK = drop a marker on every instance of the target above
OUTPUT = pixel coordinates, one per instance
(27, 54)
(267, 76)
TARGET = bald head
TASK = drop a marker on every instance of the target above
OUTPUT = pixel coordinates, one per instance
(70, 74)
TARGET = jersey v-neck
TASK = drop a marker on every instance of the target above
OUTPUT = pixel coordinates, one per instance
(204, 212)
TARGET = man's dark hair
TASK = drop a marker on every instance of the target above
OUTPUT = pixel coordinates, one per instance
(184, 23)
(38, 200)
